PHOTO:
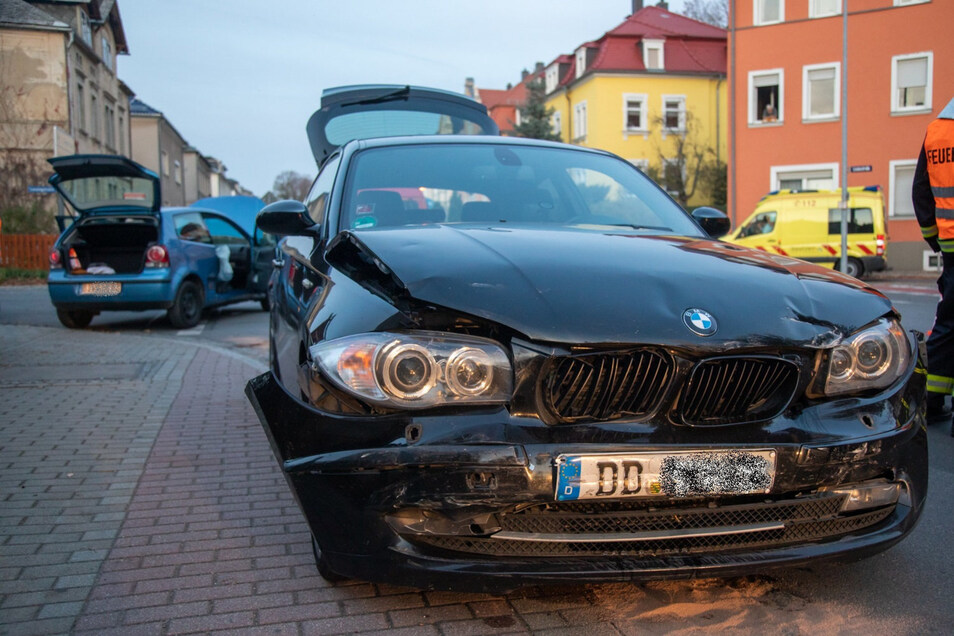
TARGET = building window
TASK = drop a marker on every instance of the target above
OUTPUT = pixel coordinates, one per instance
(821, 98)
(674, 113)
(164, 162)
(86, 33)
(768, 11)
(580, 61)
(109, 125)
(818, 176)
(93, 115)
(177, 171)
(81, 107)
(122, 134)
(579, 121)
(634, 113)
(653, 55)
(552, 78)
(673, 176)
(107, 52)
(556, 123)
(900, 182)
(823, 8)
(641, 164)
(765, 96)
(911, 82)
(901, 3)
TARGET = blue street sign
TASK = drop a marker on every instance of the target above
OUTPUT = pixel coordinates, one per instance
(40, 189)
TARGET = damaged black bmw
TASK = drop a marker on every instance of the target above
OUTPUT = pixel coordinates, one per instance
(499, 362)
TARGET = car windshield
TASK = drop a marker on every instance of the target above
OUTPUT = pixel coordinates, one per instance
(498, 183)
(105, 192)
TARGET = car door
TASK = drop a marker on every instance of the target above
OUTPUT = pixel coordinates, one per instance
(234, 248)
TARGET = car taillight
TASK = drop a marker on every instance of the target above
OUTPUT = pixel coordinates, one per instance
(56, 261)
(879, 244)
(157, 256)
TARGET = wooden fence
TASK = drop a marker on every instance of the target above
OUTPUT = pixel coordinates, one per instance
(26, 251)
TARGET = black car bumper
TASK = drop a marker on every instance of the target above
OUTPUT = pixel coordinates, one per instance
(467, 501)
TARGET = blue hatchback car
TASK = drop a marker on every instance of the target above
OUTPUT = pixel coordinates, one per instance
(122, 252)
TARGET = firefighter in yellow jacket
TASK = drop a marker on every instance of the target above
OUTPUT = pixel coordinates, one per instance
(933, 195)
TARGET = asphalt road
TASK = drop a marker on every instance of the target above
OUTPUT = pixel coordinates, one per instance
(906, 590)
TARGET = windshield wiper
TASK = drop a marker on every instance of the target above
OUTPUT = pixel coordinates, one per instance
(401, 93)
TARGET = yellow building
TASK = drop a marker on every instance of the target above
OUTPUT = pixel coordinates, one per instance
(652, 91)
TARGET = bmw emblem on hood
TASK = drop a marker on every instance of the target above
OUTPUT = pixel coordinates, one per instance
(700, 321)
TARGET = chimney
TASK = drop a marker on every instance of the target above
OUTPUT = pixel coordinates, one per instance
(637, 5)
(469, 87)
(523, 74)
(538, 68)
(662, 4)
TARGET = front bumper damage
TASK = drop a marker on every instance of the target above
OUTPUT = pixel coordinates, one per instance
(466, 501)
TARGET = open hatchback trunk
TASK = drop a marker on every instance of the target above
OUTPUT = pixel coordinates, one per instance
(116, 207)
(368, 111)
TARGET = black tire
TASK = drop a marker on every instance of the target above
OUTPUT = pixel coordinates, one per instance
(322, 564)
(186, 311)
(75, 319)
(855, 268)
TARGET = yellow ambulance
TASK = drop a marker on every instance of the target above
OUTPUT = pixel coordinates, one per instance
(806, 224)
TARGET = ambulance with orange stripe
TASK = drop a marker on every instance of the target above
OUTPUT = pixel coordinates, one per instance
(806, 224)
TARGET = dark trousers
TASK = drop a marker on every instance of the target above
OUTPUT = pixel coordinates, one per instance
(940, 344)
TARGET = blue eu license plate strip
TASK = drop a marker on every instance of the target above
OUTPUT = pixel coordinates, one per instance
(668, 474)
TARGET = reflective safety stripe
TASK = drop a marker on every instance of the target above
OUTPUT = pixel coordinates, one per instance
(947, 245)
(943, 193)
(940, 384)
(928, 232)
(944, 213)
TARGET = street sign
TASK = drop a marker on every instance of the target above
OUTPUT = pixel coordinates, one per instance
(40, 189)
(860, 168)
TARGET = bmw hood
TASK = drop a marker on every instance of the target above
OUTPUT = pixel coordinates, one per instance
(568, 285)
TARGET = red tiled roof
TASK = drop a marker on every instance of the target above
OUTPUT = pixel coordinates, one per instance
(656, 22)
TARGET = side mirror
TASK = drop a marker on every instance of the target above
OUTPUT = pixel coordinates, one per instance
(284, 218)
(714, 222)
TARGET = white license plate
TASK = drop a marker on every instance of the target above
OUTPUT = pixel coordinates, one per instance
(664, 474)
(100, 289)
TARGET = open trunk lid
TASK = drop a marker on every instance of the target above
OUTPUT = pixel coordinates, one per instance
(105, 184)
(367, 111)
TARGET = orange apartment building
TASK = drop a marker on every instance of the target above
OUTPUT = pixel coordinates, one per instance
(785, 70)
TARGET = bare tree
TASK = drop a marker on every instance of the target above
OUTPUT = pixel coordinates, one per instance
(715, 12)
(290, 185)
(688, 164)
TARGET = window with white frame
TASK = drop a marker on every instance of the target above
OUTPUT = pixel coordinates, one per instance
(580, 61)
(109, 125)
(641, 164)
(634, 113)
(654, 55)
(81, 106)
(93, 115)
(823, 8)
(86, 32)
(821, 98)
(674, 112)
(901, 3)
(107, 52)
(177, 171)
(673, 176)
(911, 82)
(551, 78)
(818, 176)
(164, 162)
(579, 120)
(766, 90)
(768, 11)
(556, 123)
(900, 182)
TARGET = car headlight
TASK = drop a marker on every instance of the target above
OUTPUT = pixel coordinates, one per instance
(417, 370)
(870, 359)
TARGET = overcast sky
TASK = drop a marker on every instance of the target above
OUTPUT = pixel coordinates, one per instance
(239, 79)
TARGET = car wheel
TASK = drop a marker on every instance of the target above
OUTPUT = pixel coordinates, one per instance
(187, 308)
(855, 268)
(326, 572)
(75, 319)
